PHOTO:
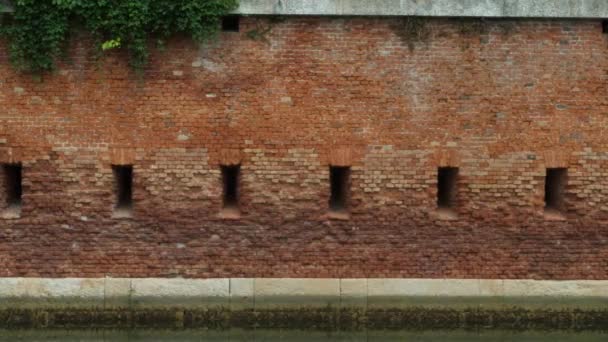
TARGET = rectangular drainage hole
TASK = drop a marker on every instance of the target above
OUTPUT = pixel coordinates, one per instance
(13, 185)
(447, 186)
(230, 181)
(231, 23)
(123, 181)
(555, 188)
(339, 178)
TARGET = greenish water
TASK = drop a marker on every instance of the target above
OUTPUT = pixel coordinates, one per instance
(291, 335)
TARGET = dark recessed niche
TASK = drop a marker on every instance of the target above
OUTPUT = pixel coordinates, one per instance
(339, 183)
(13, 184)
(230, 180)
(231, 23)
(555, 186)
(123, 178)
(447, 186)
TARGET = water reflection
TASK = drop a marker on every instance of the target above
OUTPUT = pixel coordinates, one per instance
(296, 336)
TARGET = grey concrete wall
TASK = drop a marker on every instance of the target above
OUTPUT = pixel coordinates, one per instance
(238, 294)
(432, 8)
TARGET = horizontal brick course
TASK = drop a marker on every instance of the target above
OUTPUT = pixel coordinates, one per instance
(502, 105)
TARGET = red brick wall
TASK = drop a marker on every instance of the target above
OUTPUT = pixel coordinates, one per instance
(502, 105)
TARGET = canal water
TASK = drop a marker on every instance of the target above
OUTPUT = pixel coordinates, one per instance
(261, 335)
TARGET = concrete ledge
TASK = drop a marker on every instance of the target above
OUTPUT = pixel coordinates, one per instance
(158, 292)
(243, 294)
(430, 8)
(590, 9)
(36, 292)
(286, 293)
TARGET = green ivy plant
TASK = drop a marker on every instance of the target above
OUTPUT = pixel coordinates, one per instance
(39, 30)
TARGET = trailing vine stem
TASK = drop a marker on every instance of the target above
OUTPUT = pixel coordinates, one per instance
(38, 30)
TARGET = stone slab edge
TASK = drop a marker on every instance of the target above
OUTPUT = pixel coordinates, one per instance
(430, 8)
(265, 293)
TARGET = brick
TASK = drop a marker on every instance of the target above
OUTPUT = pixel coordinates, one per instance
(348, 91)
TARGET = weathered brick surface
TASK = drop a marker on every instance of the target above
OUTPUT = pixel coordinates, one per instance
(501, 105)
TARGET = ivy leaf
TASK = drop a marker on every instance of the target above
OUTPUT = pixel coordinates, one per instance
(111, 44)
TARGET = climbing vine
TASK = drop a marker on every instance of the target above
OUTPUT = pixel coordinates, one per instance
(38, 30)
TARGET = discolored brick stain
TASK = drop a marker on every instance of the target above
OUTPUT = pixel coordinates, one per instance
(320, 89)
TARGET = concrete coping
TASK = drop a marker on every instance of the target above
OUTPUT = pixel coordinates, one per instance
(582, 9)
(264, 293)
(430, 8)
